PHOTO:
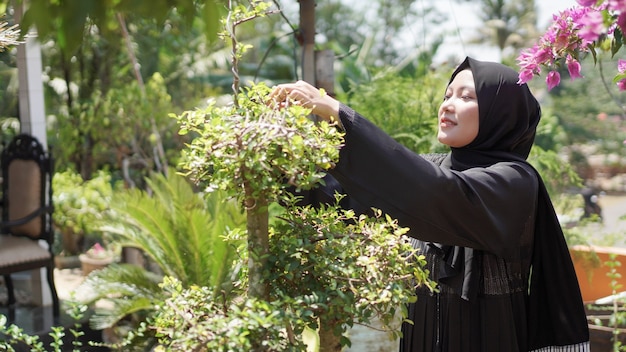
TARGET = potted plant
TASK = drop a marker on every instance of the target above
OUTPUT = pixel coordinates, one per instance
(607, 315)
(95, 258)
(79, 207)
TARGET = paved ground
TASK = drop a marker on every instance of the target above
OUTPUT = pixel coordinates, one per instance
(613, 229)
(66, 281)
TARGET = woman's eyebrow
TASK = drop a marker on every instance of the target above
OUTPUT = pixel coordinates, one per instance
(463, 87)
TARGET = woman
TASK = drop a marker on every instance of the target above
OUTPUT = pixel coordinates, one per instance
(480, 214)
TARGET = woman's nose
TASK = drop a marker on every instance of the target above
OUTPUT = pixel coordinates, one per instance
(447, 105)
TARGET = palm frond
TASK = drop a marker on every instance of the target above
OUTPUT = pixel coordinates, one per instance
(107, 317)
(150, 224)
(180, 231)
(117, 280)
(123, 289)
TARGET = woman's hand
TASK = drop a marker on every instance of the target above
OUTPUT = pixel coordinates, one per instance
(301, 92)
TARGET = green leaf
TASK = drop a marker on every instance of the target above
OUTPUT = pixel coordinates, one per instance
(618, 77)
(211, 15)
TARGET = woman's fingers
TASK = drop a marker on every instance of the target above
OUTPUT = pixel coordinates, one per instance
(305, 94)
(280, 94)
(299, 91)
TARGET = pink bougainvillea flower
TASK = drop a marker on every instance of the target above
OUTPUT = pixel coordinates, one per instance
(573, 67)
(575, 31)
(529, 61)
(562, 36)
(525, 76)
(543, 54)
(586, 3)
(621, 65)
(616, 5)
(592, 26)
(537, 55)
(621, 21)
(553, 79)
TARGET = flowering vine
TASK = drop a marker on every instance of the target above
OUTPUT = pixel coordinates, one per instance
(583, 29)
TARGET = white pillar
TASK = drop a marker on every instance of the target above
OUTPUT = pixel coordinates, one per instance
(31, 99)
(32, 121)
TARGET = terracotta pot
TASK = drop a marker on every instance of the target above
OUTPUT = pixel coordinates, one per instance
(66, 261)
(591, 270)
(89, 264)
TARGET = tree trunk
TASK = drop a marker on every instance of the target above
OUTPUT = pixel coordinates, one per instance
(329, 342)
(258, 246)
(71, 242)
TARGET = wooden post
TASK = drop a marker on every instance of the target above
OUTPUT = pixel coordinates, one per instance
(324, 71)
(307, 33)
(317, 67)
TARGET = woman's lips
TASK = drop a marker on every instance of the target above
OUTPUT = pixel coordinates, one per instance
(446, 122)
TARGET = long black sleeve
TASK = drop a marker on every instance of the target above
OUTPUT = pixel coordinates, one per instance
(481, 208)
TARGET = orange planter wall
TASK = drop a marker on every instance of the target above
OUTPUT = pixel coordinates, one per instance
(592, 278)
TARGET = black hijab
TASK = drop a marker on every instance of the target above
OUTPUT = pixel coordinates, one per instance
(508, 118)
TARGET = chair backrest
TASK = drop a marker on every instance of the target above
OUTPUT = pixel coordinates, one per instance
(27, 188)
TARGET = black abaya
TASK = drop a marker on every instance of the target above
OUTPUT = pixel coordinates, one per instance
(483, 219)
(445, 206)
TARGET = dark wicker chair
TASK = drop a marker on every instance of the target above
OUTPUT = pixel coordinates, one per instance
(26, 227)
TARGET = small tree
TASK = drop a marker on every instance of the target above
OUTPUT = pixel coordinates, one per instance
(256, 150)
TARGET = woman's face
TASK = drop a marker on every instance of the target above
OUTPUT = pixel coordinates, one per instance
(458, 114)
